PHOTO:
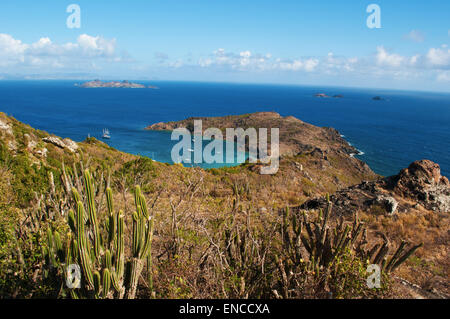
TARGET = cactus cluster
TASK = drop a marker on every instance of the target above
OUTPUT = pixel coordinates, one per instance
(241, 256)
(313, 245)
(241, 189)
(98, 250)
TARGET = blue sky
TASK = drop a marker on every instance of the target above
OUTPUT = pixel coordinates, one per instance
(322, 42)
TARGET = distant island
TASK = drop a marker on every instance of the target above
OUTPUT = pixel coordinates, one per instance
(115, 84)
(323, 95)
(340, 96)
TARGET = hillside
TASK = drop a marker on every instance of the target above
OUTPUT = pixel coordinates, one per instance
(193, 208)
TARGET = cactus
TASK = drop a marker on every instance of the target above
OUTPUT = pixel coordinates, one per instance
(326, 246)
(102, 262)
(243, 256)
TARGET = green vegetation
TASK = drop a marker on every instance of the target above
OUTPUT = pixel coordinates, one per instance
(24, 173)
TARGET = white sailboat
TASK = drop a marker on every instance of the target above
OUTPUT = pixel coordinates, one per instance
(106, 134)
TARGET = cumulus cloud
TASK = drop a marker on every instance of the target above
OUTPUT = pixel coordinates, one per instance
(11, 50)
(434, 63)
(439, 57)
(248, 61)
(88, 53)
(385, 58)
(242, 61)
(383, 63)
(434, 59)
(307, 65)
(333, 64)
(44, 53)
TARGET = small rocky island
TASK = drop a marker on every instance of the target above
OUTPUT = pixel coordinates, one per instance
(323, 95)
(115, 84)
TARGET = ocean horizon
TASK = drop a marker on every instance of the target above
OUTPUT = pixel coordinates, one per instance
(403, 127)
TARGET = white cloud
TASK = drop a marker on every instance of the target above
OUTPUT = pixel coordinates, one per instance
(11, 50)
(95, 52)
(439, 57)
(443, 76)
(248, 61)
(333, 64)
(384, 64)
(307, 65)
(434, 59)
(176, 64)
(242, 61)
(96, 46)
(45, 53)
(415, 36)
(245, 54)
(384, 58)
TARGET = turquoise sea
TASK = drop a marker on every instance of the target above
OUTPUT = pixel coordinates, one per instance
(392, 133)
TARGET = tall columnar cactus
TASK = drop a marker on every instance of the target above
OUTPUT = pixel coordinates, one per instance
(105, 270)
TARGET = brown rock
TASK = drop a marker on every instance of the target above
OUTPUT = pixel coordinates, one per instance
(421, 182)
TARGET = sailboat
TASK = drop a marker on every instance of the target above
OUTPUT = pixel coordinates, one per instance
(106, 134)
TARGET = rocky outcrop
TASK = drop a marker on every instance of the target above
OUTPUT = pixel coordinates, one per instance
(389, 203)
(64, 144)
(71, 145)
(421, 184)
(5, 127)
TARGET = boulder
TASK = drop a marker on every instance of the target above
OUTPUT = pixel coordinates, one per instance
(55, 141)
(5, 127)
(41, 153)
(423, 181)
(389, 203)
(71, 145)
(65, 144)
